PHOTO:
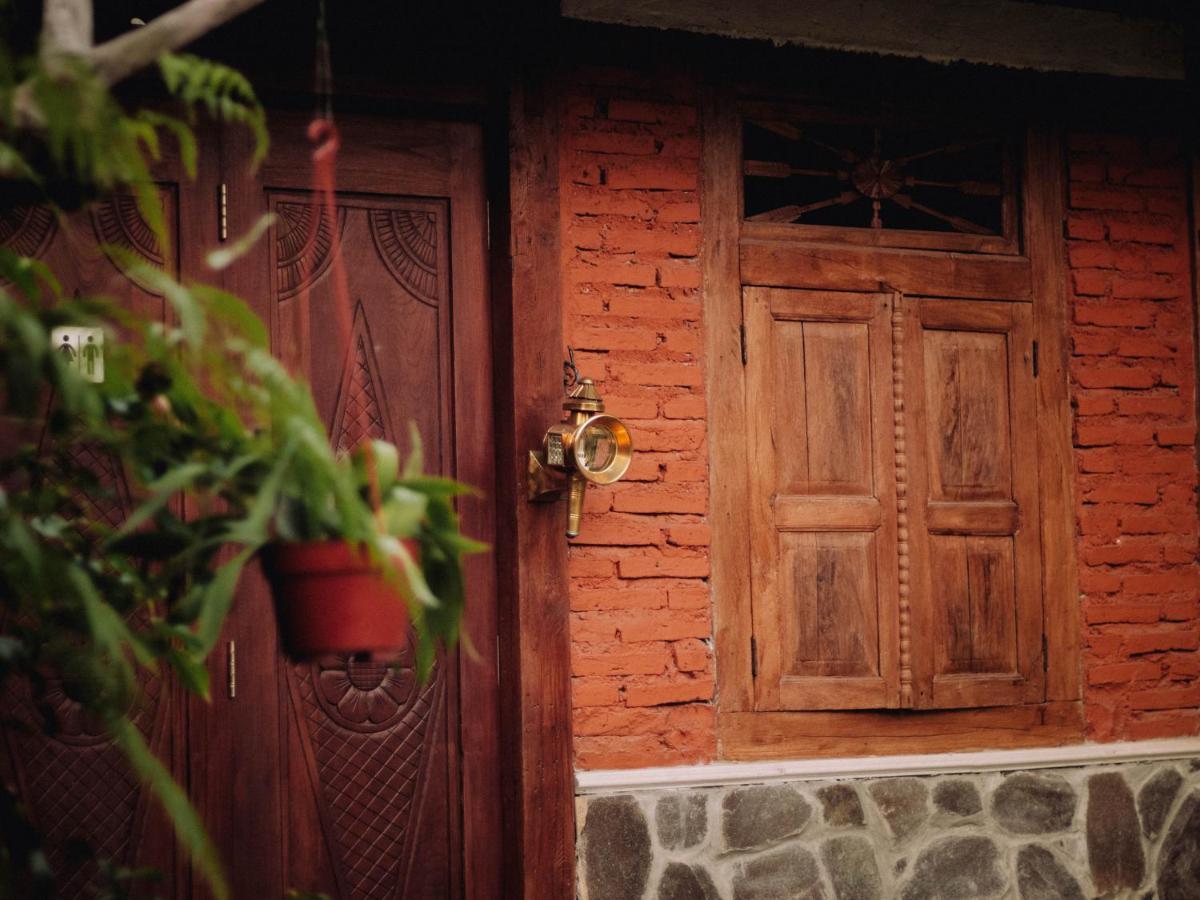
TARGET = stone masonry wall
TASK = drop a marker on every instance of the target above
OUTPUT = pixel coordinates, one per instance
(1129, 830)
(1133, 380)
(641, 617)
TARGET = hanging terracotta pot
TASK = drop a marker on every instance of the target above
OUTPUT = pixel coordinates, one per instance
(330, 599)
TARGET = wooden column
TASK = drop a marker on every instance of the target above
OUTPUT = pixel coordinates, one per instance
(531, 547)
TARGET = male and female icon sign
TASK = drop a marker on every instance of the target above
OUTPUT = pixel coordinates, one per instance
(82, 348)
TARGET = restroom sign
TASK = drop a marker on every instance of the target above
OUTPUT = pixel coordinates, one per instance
(82, 348)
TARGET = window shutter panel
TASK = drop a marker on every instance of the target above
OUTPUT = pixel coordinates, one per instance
(975, 543)
(823, 509)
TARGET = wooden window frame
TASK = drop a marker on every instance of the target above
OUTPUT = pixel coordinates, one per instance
(735, 256)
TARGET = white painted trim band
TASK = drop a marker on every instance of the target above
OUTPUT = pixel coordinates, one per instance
(606, 781)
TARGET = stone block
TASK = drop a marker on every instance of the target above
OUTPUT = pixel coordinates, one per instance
(683, 882)
(1114, 839)
(1040, 876)
(757, 817)
(903, 802)
(682, 820)
(1179, 861)
(841, 805)
(616, 849)
(957, 868)
(957, 797)
(852, 868)
(1155, 799)
(788, 874)
(1028, 803)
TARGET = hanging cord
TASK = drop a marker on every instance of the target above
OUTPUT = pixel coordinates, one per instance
(323, 135)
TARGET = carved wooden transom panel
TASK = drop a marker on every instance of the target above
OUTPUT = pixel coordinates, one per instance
(919, 186)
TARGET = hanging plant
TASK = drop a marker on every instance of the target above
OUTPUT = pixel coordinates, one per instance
(197, 410)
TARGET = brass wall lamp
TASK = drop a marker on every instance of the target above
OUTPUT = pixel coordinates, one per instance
(588, 446)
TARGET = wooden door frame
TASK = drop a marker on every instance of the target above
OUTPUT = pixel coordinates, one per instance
(731, 258)
(531, 550)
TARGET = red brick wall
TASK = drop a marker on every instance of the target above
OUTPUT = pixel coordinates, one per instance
(1133, 381)
(641, 617)
(640, 614)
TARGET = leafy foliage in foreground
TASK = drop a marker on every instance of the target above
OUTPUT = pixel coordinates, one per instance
(221, 448)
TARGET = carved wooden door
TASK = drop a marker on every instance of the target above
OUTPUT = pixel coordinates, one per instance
(350, 777)
(76, 785)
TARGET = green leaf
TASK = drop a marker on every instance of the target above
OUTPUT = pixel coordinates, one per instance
(218, 597)
(188, 827)
(227, 255)
(161, 492)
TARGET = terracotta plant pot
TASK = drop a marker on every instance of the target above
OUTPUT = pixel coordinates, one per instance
(330, 599)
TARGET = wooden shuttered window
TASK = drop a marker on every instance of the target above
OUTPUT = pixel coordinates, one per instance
(892, 450)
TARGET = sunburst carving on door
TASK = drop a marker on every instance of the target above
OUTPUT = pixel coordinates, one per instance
(407, 243)
(302, 252)
(26, 230)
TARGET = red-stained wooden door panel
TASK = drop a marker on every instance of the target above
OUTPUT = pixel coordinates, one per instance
(74, 783)
(359, 781)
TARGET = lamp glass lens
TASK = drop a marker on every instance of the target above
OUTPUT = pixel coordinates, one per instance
(599, 446)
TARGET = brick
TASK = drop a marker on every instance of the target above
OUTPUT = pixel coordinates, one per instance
(1144, 404)
(659, 498)
(659, 567)
(619, 659)
(1160, 641)
(693, 596)
(653, 175)
(1132, 315)
(1143, 229)
(1166, 698)
(1140, 346)
(1105, 435)
(1160, 584)
(682, 435)
(1093, 344)
(691, 406)
(1156, 523)
(1124, 672)
(684, 470)
(1123, 492)
(1098, 520)
(1090, 254)
(1090, 282)
(595, 692)
(1093, 582)
(682, 275)
(1085, 226)
(1127, 551)
(653, 241)
(1173, 435)
(691, 655)
(690, 535)
(1164, 726)
(679, 212)
(1115, 377)
(662, 625)
(666, 374)
(1107, 198)
(620, 596)
(1094, 404)
(590, 568)
(642, 111)
(1103, 613)
(1150, 287)
(614, 272)
(657, 694)
(1097, 460)
(613, 339)
(614, 143)
(617, 531)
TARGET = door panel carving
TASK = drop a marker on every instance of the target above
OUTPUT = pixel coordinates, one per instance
(76, 783)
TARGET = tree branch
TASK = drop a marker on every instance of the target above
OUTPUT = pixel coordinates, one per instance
(119, 58)
(66, 27)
